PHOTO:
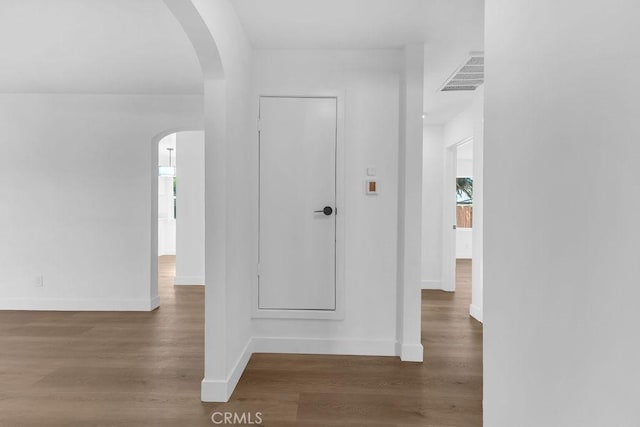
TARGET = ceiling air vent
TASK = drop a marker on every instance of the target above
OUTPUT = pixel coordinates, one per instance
(467, 76)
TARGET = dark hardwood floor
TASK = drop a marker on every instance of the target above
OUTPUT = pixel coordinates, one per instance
(144, 369)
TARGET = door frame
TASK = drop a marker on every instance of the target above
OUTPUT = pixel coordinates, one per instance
(449, 217)
(341, 208)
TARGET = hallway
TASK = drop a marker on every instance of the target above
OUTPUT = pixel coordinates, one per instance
(138, 369)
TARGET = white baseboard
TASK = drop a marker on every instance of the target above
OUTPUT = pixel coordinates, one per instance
(448, 287)
(63, 304)
(324, 346)
(475, 312)
(214, 390)
(188, 280)
(410, 352)
(221, 390)
(435, 285)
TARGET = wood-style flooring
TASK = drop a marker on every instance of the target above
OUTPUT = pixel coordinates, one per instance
(144, 369)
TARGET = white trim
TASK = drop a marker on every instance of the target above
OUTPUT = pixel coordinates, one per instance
(461, 142)
(475, 312)
(188, 280)
(448, 220)
(221, 390)
(297, 314)
(411, 352)
(214, 391)
(64, 304)
(341, 209)
(324, 346)
(435, 285)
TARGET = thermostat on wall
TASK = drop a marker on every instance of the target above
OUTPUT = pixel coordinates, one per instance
(371, 188)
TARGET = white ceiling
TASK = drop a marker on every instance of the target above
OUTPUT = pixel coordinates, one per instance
(137, 46)
(450, 29)
(440, 61)
(344, 24)
(95, 46)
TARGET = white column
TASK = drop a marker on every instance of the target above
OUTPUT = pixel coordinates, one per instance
(477, 274)
(410, 205)
(216, 364)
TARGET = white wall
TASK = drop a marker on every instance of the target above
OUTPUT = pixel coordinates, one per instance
(370, 81)
(465, 168)
(166, 221)
(561, 343)
(463, 125)
(190, 209)
(432, 188)
(77, 198)
(464, 241)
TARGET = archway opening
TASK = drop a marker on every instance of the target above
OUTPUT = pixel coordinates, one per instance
(177, 205)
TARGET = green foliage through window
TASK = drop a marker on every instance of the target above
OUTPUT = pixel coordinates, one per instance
(464, 191)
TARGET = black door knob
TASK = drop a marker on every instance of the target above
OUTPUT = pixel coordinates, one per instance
(328, 210)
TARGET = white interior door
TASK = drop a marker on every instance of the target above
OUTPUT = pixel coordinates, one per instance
(297, 242)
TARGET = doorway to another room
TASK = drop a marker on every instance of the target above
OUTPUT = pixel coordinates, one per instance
(464, 213)
(181, 203)
(167, 196)
(458, 215)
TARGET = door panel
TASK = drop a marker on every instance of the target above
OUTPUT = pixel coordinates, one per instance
(297, 246)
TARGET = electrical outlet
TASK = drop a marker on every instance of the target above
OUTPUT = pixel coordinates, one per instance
(39, 281)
